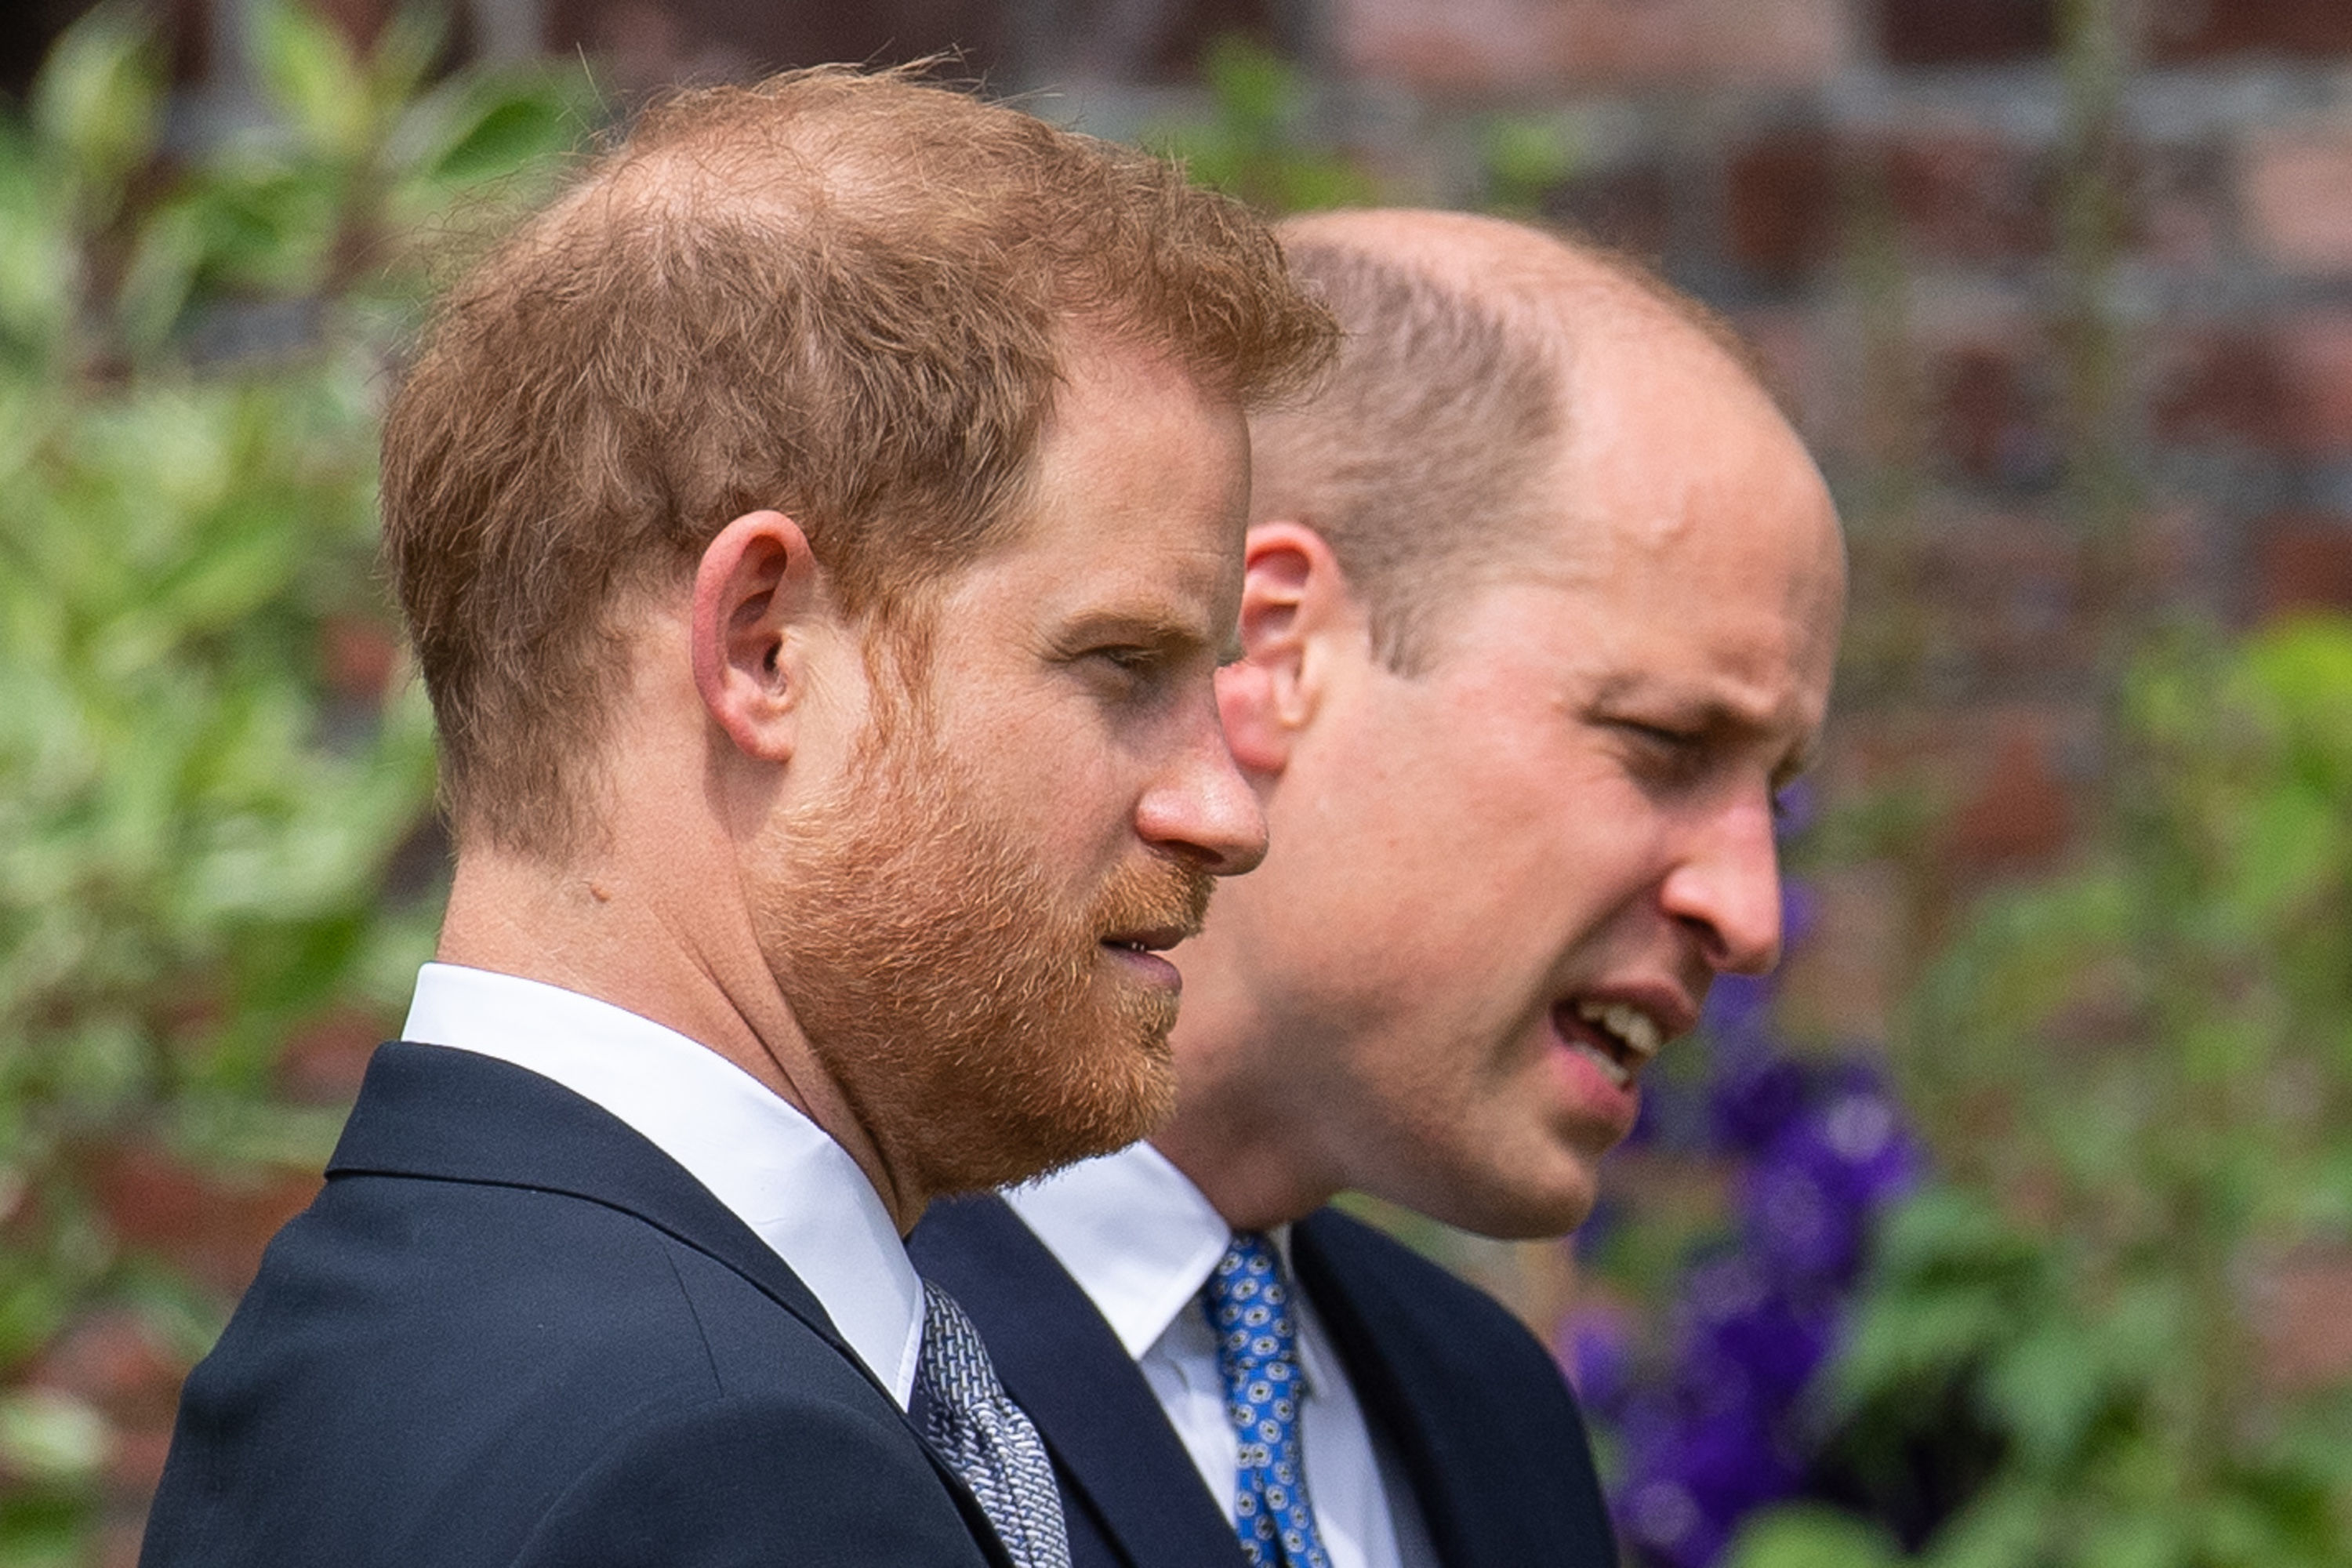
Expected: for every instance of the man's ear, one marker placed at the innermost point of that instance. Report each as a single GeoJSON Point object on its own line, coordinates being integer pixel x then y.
{"type": "Point", "coordinates": [756, 588]}
{"type": "Point", "coordinates": [1293, 603]}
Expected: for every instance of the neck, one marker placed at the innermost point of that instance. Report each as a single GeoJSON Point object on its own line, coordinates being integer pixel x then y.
{"type": "Point", "coordinates": [1243, 1132]}
{"type": "Point", "coordinates": [660, 936]}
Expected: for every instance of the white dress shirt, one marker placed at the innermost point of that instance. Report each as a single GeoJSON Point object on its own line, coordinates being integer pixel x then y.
{"type": "Point", "coordinates": [777, 1170]}
{"type": "Point", "coordinates": [1141, 1240]}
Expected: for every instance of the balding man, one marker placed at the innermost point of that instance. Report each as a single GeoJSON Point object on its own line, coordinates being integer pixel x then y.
{"type": "Point", "coordinates": [1541, 606]}
{"type": "Point", "coordinates": [819, 531]}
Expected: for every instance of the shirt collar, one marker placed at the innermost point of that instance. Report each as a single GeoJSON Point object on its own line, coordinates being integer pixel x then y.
{"type": "Point", "coordinates": [773, 1168]}
{"type": "Point", "coordinates": [1135, 1233]}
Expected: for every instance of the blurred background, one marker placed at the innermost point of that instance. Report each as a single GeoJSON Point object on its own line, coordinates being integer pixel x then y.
{"type": "Point", "coordinates": [2010, 1224]}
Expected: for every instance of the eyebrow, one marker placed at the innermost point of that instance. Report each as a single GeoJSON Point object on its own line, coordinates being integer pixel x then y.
{"type": "Point", "coordinates": [1156, 626]}
{"type": "Point", "coordinates": [1710, 715]}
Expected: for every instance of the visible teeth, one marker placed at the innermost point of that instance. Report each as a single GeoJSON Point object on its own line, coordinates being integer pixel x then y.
{"type": "Point", "coordinates": [1636, 1030]}
{"type": "Point", "coordinates": [1618, 1073]}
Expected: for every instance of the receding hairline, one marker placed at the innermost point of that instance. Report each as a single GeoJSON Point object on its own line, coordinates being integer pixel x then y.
{"type": "Point", "coordinates": [1564, 289]}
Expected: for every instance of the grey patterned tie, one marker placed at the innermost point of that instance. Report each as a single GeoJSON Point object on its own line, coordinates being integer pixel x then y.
{"type": "Point", "coordinates": [985, 1438]}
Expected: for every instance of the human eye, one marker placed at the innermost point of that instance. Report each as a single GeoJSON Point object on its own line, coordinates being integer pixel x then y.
{"type": "Point", "coordinates": [1128, 658]}
{"type": "Point", "coordinates": [1129, 671]}
{"type": "Point", "coordinates": [1663, 752]}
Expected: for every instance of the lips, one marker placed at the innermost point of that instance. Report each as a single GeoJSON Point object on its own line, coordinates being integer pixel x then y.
{"type": "Point", "coordinates": [1619, 1036]}
{"type": "Point", "coordinates": [1157, 939]}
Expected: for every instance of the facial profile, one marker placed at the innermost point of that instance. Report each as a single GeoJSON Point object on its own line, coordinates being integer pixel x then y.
{"type": "Point", "coordinates": [1501, 880]}
{"type": "Point", "coordinates": [932, 965]}
{"type": "Point", "coordinates": [968, 925]}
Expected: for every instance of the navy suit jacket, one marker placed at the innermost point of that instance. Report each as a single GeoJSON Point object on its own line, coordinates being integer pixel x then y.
{"type": "Point", "coordinates": [1485, 1428]}
{"type": "Point", "coordinates": [513, 1331]}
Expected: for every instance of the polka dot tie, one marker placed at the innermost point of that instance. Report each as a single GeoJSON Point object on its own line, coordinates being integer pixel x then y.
{"type": "Point", "coordinates": [986, 1438]}
{"type": "Point", "coordinates": [1257, 1350]}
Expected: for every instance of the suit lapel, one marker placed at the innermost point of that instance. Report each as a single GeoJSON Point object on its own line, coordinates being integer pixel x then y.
{"type": "Point", "coordinates": [452, 1115]}
{"type": "Point", "coordinates": [1401, 1392]}
{"type": "Point", "coordinates": [1060, 1361]}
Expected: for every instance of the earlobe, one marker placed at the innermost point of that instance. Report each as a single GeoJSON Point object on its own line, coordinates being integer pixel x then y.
{"type": "Point", "coordinates": [754, 587]}
{"type": "Point", "coordinates": [1292, 595]}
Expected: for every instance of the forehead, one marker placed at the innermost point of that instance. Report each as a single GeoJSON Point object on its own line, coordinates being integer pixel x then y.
{"type": "Point", "coordinates": [1136, 499]}
{"type": "Point", "coordinates": [1686, 528]}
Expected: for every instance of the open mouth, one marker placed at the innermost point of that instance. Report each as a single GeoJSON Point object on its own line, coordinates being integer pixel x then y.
{"type": "Point", "coordinates": [1618, 1036]}
{"type": "Point", "coordinates": [1159, 938]}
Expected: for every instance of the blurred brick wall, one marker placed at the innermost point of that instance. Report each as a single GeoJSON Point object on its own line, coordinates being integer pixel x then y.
{"type": "Point", "coordinates": [1871, 191]}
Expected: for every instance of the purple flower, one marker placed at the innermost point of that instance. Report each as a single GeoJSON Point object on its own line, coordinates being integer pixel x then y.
{"type": "Point", "coordinates": [1596, 1351]}
{"type": "Point", "coordinates": [1744, 1342]}
{"type": "Point", "coordinates": [1753, 1104]}
{"type": "Point", "coordinates": [1688, 1493]}
{"type": "Point", "coordinates": [1807, 1202]}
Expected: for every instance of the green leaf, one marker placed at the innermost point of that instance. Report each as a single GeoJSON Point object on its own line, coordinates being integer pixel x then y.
{"type": "Point", "coordinates": [52, 1436]}
{"type": "Point", "coordinates": [2046, 1390]}
{"type": "Point", "coordinates": [504, 134]}
{"type": "Point", "coordinates": [2005, 1526]}
{"type": "Point", "coordinates": [97, 103]}
{"type": "Point", "coordinates": [311, 78]}
{"type": "Point", "coordinates": [1811, 1537]}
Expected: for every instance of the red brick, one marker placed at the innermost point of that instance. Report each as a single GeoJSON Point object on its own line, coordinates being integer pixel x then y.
{"type": "Point", "coordinates": [650, 43]}
{"type": "Point", "coordinates": [2019, 813]}
{"type": "Point", "coordinates": [2299, 198]}
{"type": "Point", "coordinates": [1780, 204]}
{"type": "Point", "coordinates": [360, 656]}
{"type": "Point", "coordinates": [1629, 207]}
{"type": "Point", "coordinates": [212, 1227]}
{"type": "Point", "coordinates": [111, 1362]}
{"type": "Point", "coordinates": [1966, 32]}
{"type": "Point", "coordinates": [1968, 197]}
{"type": "Point", "coordinates": [325, 1059]}
{"type": "Point", "coordinates": [2202, 29]}
{"type": "Point", "coordinates": [2300, 1321]}
{"type": "Point", "coordinates": [1990, 416]}
{"type": "Point", "coordinates": [361, 21]}
{"type": "Point", "coordinates": [2187, 203]}
{"type": "Point", "coordinates": [2001, 596]}
{"type": "Point", "coordinates": [1480, 46]}
{"type": "Point", "coordinates": [2302, 561]}
{"type": "Point", "coordinates": [1844, 984]}
{"type": "Point", "coordinates": [1793, 364]}
{"type": "Point", "coordinates": [2284, 387]}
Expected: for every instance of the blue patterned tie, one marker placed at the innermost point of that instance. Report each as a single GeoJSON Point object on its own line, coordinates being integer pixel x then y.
{"type": "Point", "coordinates": [1257, 1351]}
{"type": "Point", "coordinates": [986, 1438]}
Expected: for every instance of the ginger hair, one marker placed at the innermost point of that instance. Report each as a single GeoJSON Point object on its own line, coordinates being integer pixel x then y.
{"type": "Point", "coordinates": [844, 295]}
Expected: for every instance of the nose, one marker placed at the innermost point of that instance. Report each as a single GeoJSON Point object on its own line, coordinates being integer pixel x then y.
{"type": "Point", "coordinates": [1726, 887]}
{"type": "Point", "coordinates": [1200, 806]}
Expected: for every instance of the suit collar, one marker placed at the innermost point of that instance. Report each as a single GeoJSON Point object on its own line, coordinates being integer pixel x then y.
{"type": "Point", "coordinates": [442, 1114]}
{"type": "Point", "coordinates": [454, 1115]}
{"type": "Point", "coordinates": [770, 1164]}
{"type": "Point", "coordinates": [1060, 1361]}
{"type": "Point", "coordinates": [1133, 1232]}
{"type": "Point", "coordinates": [1405, 1396]}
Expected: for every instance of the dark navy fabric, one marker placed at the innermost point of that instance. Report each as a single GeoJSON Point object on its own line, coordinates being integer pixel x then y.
{"type": "Point", "coordinates": [1477, 1413]}
{"type": "Point", "coordinates": [512, 1332]}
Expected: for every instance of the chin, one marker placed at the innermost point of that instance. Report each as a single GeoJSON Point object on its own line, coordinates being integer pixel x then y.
{"type": "Point", "coordinates": [1506, 1206]}
{"type": "Point", "coordinates": [1092, 1109]}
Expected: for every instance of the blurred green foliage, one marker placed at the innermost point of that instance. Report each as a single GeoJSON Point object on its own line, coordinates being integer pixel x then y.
{"type": "Point", "coordinates": [2138, 1073]}
{"type": "Point", "coordinates": [206, 764]}
{"type": "Point", "coordinates": [1259, 141]}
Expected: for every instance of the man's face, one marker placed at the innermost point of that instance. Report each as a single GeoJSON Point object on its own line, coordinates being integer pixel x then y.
{"type": "Point", "coordinates": [1496, 884]}
{"type": "Point", "coordinates": [968, 929]}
